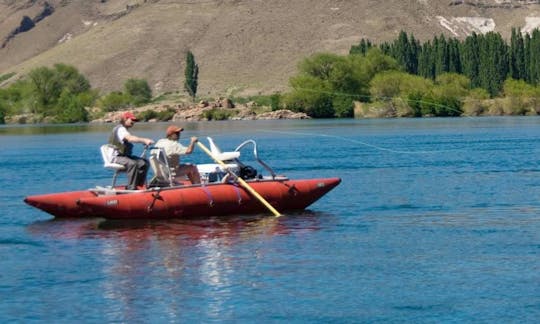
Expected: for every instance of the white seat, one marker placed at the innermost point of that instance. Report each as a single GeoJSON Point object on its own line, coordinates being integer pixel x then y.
{"type": "Point", "coordinates": [211, 171]}
{"type": "Point", "coordinates": [160, 167]}
{"type": "Point", "coordinates": [222, 156]}
{"type": "Point", "coordinates": [107, 151]}
{"type": "Point", "coordinates": [214, 167]}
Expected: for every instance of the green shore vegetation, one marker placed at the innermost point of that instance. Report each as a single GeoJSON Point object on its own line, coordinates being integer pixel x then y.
{"type": "Point", "coordinates": [480, 75]}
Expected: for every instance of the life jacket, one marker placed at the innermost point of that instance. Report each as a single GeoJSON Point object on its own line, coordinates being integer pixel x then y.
{"type": "Point", "coordinates": [124, 148]}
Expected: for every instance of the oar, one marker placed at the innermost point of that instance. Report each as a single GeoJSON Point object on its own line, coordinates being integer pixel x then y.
{"type": "Point", "coordinates": [242, 182]}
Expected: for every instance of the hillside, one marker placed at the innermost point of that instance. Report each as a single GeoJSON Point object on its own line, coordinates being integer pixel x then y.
{"type": "Point", "coordinates": [241, 46]}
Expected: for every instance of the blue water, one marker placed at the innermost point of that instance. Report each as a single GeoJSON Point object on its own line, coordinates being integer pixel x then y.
{"type": "Point", "coordinates": [436, 220]}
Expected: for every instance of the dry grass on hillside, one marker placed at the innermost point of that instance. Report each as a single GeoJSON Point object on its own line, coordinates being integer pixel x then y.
{"type": "Point", "coordinates": [241, 46]}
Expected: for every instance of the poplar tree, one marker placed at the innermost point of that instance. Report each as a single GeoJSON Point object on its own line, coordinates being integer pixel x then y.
{"type": "Point", "coordinates": [534, 59]}
{"type": "Point", "coordinates": [493, 62]}
{"type": "Point", "coordinates": [400, 50]}
{"type": "Point", "coordinates": [527, 49]}
{"type": "Point", "coordinates": [517, 56]}
{"type": "Point", "coordinates": [426, 62]}
{"type": "Point", "coordinates": [454, 61]}
{"type": "Point", "coordinates": [191, 75]}
{"type": "Point", "coordinates": [361, 48]}
{"type": "Point", "coordinates": [470, 50]}
{"type": "Point", "coordinates": [414, 52]}
{"type": "Point", "coordinates": [406, 51]}
{"type": "Point", "coordinates": [486, 59]}
{"type": "Point", "coordinates": [441, 55]}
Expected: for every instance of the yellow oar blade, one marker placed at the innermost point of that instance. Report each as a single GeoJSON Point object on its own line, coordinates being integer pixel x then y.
{"type": "Point", "coordinates": [241, 181]}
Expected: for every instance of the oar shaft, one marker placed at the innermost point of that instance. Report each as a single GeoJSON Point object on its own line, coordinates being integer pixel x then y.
{"type": "Point", "coordinates": [242, 182]}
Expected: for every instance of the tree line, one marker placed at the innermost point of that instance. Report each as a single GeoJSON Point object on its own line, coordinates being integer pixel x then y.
{"type": "Point", "coordinates": [486, 59]}
{"type": "Point", "coordinates": [61, 94]}
{"type": "Point", "coordinates": [481, 74]}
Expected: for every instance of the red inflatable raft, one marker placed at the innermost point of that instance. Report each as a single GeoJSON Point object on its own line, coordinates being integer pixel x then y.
{"type": "Point", "coordinates": [228, 188]}
{"type": "Point", "coordinates": [185, 201]}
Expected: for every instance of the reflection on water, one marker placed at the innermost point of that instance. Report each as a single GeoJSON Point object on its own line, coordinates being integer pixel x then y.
{"type": "Point", "coordinates": [448, 233]}
{"type": "Point", "coordinates": [228, 230]}
{"type": "Point", "coordinates": [49, 129]}
{"type": "Point", "coordinates": [139, 257]}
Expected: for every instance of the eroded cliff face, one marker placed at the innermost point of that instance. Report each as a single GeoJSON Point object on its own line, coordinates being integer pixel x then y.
{"type": "Point", "coordinates": [28, 23]}
{"type": "Point", "coordinates": [242, 46]}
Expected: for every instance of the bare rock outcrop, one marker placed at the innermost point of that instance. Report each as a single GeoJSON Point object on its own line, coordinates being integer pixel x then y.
{"type": "Point", "coordinates": [27, 23]}
{"type": "Point", "coordinates": [197, 112]}
{"type": "Point", "coordinates": [283, 114]}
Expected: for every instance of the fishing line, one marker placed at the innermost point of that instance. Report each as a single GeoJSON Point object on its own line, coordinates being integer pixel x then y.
{"type": "Point", "coordinates": [381, 98]}
{"type": "Point", "coordinates": [385, 99]}
{"type": "Point", "coordinates": [356, 142]}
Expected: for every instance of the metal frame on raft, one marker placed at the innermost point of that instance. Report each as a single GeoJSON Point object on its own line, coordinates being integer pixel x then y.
{"type": "Point", "coordinates": [256, 155]}
{"type": "Point", "coordinates": [158, 156]}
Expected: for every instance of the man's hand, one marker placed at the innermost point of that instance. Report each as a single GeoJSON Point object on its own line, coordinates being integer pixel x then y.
{"type": "Point", "coordinates": [148, 141]}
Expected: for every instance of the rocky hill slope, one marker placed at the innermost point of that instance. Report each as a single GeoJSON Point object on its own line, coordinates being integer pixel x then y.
{"type": "Point", "coordinates": [242, 46]}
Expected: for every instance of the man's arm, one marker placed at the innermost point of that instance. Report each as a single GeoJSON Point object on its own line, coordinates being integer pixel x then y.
{"type": "Point", "coordinates": [136, 139]}
{"type": "Point", "coordinates": [191, 145]}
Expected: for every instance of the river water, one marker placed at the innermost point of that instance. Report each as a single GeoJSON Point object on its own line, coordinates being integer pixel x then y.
{"type": "Point", "coordinates": [436, 220]}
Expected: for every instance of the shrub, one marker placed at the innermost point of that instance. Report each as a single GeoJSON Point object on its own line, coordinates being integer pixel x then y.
{"type": "Point", "coordinates": [45, 87]}
{"type": "Point", "coordinates": [165, 115]}
{"type": "Point", "coordinates": [147, 115]}
{"type": "Point", "coordinates": [377, 109]}
{"type": "Point", "coordinates": [114, 101]}
{"type": "Point", "coordinates": [6, 76]}
{"type": "Point", "coordinates": [343, 106]}
{"type": "Point", "coordinates": [520, 98]}
{"type": "Point", "coordinates": [139, 91]}
{"type": "Point", "coordinates": [71, 108]}
{"type": "Point", "coordinates": [456, 84]}
{"type": "Point", "coordinates": [70, 79]}
{"type": "Point", "coordinates": [217, 114]}
{"type": "Point", "coordinates": [495, 107]}
{"type": "Point", "coordinates": [312, 96]}
{"type": "Point", "coordinates": [2, 112]}
{"type": "Point", "coordinates": [475, 102]}
{"type": "Point", "coordinates": [414, 100]}
{"type": "Point", "coordinates": [17, 98]}
{"type": "Point", "coordinates": [275, 101]}
{"type": "Point", "coordinates": [440, 105]}
{"type": "Point", "coordinates": [391, 84]}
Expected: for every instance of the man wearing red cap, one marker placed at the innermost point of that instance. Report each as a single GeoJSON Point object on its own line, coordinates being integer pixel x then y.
{"type": "Point", "coordinates": [122, 140]}
{"type": "Point", "coordinates": [173, 150]}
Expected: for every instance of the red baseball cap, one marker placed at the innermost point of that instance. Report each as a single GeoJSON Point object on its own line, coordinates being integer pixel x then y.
{"type": "Point", "coordinates": [129, 115]}
{"type": "Point", "coordinates": [173, 129]}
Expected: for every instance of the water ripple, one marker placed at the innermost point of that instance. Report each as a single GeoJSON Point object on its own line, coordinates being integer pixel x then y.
{"type": "Point", "coordinates": [449, 236]}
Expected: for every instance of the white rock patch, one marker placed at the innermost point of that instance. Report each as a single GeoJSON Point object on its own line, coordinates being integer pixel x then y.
{"type": "Point", "coordinates": [480, 24]}
{"type": "Point", "coordinates": [447, 24]}
{"type": "Point", "coordinates": [65, 38]}
{"type": "Point", "coordinates": [531, 23]}
{"type": "Point", "coordinates": [466, 25]}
